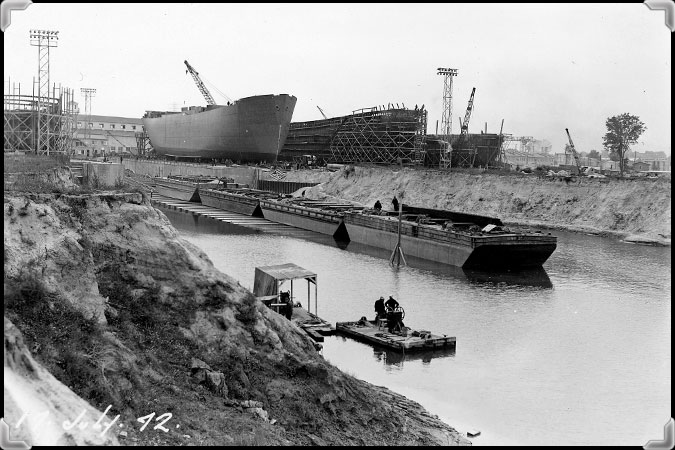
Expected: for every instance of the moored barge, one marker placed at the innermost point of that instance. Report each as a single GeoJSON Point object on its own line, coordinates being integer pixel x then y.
{"type": "Point", "coordinates": [314, 218]}
{"type": "Point", "coordinates": [463, 240]}
{"type": "Point", "coordinates": [181, 188]}
{"type": "Point", "coordinates": [242, 201]}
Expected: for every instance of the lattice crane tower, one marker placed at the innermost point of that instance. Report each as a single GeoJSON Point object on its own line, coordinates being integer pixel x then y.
{"type": "Point", "coordinates": [43, 40]}
{"type": "Point", "coordinates": [446, 120]}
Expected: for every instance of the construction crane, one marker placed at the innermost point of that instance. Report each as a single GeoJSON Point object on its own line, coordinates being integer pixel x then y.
{"type": "Point", "coordinates": [464, 125]}
{"type": "Point", "coordinates": [574, 152]}
{"type": "Point", "coordinates": [321, 111]}
{"type": "Point", "coordinates": [205, 92]}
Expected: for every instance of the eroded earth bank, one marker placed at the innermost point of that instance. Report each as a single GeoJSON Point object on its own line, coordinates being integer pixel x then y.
{"type": "Point", "coordinates": [106, 305]}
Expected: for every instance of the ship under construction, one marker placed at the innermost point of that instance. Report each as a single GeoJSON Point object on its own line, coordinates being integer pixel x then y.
{"type": "Point", "coordinates": [391, 135]}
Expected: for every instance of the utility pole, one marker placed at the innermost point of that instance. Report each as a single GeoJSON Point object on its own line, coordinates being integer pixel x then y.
{"type": "Point", "coordinates": [397, 255]}
{"type": "Point", "coordinates": [446, 118]}
{"type": "Point", "coordinates": [43, 40]}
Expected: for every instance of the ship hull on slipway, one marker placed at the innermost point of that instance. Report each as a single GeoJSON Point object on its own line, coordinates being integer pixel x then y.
{"type": "Point", "coordinates": [252, 129]}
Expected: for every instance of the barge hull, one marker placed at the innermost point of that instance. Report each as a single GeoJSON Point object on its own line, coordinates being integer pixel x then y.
{"type": "Point", "coordinates": [505, 255]}
{"type": "Point", "coordinates": [188, 192]}
{"type": "Point", "coordinates": [305, 218]}
{"type": "Point", "coordinates": [230, 202]}
{"type": "Point", "coordinates": [453, 255]}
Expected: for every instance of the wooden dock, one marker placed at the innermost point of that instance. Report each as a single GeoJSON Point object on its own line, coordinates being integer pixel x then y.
{"type": "Point", "coordinates": [411, 341]}
{"type": "Point", "coordinates": [312, 324]}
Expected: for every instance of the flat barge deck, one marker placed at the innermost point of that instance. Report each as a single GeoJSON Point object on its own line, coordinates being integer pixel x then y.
{"type": "Point", "coordinates": [413, 341]}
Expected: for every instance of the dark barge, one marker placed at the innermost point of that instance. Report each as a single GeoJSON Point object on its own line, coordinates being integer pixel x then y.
{"type": "Point", "coordinates": [458, 239]}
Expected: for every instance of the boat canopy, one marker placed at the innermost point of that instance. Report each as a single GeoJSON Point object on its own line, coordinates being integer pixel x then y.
{"type": "Point", "coordinates": [268, 279]}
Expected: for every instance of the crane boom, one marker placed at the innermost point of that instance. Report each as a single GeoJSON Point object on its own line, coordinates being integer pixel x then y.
{"type": "Point", "coordinates": [200, 85]}
{"type": "Point", "coordinates": [464, 125]}
{"type": "Point", "coordinates": [574, 152]}
{"type": "Point", "coordinates": [321, 111]}
{"type": "Point", "coordinates": [467, 116]}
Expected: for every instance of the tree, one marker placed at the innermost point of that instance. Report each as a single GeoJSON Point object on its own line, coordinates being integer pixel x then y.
{"type": "Point", "coordinates": [622, 131]}
{"type": "Point", "coordinates": [594, 154]}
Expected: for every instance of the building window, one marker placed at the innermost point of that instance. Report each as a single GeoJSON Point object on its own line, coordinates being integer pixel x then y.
{"type": "Point", "coordinates": [79, 124]}
{"type": "Point", "coordinates": [91, 125]}
{"type": "Point", "coordinates": [100, 125]}
{"type": "Point", "coordinates": [112, 126]}
{"type": "Point", "coordinates": [133, 127]}
{"type": "Point", "coordinates": [124, 127]}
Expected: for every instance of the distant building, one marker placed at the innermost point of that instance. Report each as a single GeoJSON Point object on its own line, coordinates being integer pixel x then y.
{"type": "Point", "coordinates": [522, 159]}
{"type": "Point", "coordinates": [655, 160]}
{"type": "Point", "coordinates": [640, 166]}
{"type": "Point", "coordinates": [106, 135]}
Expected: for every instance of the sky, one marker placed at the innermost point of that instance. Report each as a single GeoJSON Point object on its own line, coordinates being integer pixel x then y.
{"type": "Point", "coordinates": [540, 68]}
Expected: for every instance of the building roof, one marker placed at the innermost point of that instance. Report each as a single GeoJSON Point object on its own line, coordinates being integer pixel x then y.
{"type": "Point", "coordinates": [287, 271]}
{"type": "Point", "coordinates": [113, 119]}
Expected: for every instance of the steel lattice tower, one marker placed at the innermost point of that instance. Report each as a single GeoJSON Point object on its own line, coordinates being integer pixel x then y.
{"type": "Point", "coordinates": [446, 118]}
{"type": "Point", "coordinates": [43, 40]}
{"type": "Point", "coordinates": [88, 94]}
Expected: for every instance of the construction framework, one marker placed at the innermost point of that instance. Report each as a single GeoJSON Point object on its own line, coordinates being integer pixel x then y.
{"type": "Point", "coordinates": [476, 150]}
{"type": "Point", "coordinates": [372, 135]}
{"type": "Point", "coordinates": [143, 145]}
{"type": "Point", "coordinates": [376, 135]}
{"type": "Point", "coordinates": [37, 123]}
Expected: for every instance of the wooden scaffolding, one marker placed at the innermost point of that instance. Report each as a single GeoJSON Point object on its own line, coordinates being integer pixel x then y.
{"type": "Point", "coordinates": [39, 125]}
{"type": "Point", "coordinates": [381, 136]}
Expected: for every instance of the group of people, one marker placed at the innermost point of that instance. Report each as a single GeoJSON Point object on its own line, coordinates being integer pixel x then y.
{"type": "Point", "coordinates": [389, 310]}
{"type": "Point", "coordinates": [378, 206]}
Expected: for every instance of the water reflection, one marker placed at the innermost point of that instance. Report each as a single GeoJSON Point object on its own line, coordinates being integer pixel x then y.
{"type": "Point", "coordinates": [536, 277]}
{"type": "Point", "coordinates": [390, 357]}
{"type": "Point", "coordinates": [202, 224]}
{"type": "Point", "coordinates": [393, 358]}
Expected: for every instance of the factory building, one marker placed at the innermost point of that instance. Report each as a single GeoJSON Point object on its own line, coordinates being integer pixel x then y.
{"type": "Point", "coordinates": [106, 135]}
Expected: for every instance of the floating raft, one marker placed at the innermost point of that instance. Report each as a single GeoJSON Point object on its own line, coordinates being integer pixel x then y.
{"type": "Point", "coordinates": [312, 324]}
{"type": "Point", "coordinates": [369, 332]}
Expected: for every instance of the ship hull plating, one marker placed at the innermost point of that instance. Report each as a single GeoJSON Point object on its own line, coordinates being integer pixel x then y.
{"type": "Point", "coordinates": [252, 129]}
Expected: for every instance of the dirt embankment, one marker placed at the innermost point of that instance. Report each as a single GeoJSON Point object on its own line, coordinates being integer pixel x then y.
{"type": "Point", "coordinates": [637, 210]}
{"type": "Point", "coordinates": [124, 313]}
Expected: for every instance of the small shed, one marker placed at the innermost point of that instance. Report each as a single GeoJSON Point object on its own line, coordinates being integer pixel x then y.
{"type": "Point", "coordinates": [641, 166]}
{"type": "Point", "coordinates": [269, 279]}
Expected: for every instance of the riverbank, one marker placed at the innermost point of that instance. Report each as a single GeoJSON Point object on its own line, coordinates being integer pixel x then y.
{"type": "Point", "coordinates": [123, 312]}
{"type": "Point", "coordinates": [635, 210]}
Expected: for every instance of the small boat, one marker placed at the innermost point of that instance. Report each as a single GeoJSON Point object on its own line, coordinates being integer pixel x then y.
{"type": "Point", "coordinates": [399, 338]}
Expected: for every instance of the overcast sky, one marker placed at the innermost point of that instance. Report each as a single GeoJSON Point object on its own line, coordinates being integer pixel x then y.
{"type": "Point", "coordinates": [542, 68]}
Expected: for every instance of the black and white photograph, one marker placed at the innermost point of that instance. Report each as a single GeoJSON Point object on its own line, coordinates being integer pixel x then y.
{"type": "Point", "coordinates": [337, 224]}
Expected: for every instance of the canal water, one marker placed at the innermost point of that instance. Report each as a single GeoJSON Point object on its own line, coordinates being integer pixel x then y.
{"type": "Point", "coordinates": [578, 353]}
